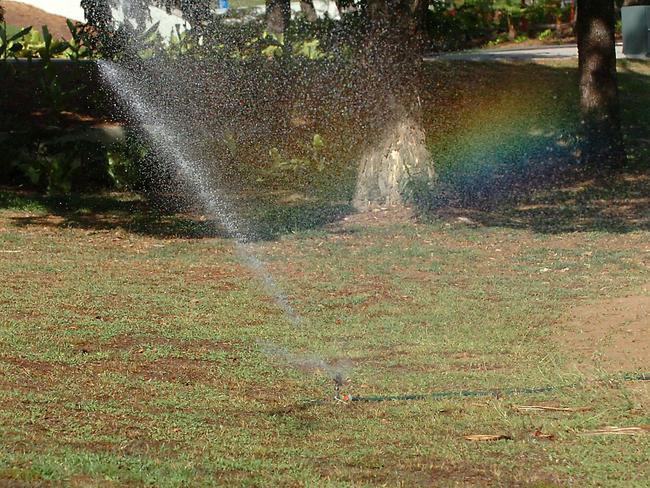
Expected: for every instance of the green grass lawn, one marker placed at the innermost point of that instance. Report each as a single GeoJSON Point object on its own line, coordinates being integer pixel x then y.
{"type": "Point", "coordinates": [132, 343]}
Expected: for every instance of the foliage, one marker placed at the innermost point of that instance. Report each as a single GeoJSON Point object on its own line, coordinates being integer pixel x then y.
{"type": "Point", "coordinates": [78, 46]}
{"type": "Point", "coordinates": [457, 27]}
{"type": "Point", "coordinates": [11, 44]}
{"type": "Point", "coordinates": [128, 163]}
{"type": "Point", "coordinates": [98, 12]}
{"type": "Point", "coordinates": [481, 21]}
{"type": "Point", "coordinates": [300, 166]}
{"type": "Point", "coordinates": [423, 192]}
{"type": "Point", "coordinates": [235, 34]}
{"type": "Point", "coordinates": [544, 35]}
{"type": "Point", "coordinates": [57, 167]}
{"type": "Point", "coordinates": [43, 161]}
{"type": "Point", "coordinates": [32, 44]}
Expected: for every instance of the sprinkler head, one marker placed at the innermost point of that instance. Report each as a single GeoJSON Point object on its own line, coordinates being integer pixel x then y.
{"type": "Point", "coordinates": [339, 382]}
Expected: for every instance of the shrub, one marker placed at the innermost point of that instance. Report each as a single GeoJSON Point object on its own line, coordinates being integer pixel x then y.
{"type": "Point", "coordinates": [56, 167]}
{"type": "Point", "coordinates": [459, 27]}
{"type": "Point", "coordinates": [545, 35]}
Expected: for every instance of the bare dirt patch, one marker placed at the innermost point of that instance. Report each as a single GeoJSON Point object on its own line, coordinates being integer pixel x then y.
{"type": "Point", "coordinates": [378, 216]}
{"type": "Point", "coordinates": [611, 335]}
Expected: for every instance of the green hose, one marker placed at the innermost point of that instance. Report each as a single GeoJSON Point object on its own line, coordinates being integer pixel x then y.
{"type": "Point", "coordinates": [454, 394]}
{"type": "Point", "coordinates": [480, 393]}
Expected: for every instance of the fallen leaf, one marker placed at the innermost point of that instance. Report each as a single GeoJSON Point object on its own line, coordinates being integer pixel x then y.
{"type": "Point", "coordinates": [488, 437]}
{"type": "Point", "coordinates": [612, 430]}
{"type": "Point", "coordinates": [548, 408]}
{"type": "Point", "coordinates": [465, 220]}
{"type": "Point", "coordinates": [538, 434]}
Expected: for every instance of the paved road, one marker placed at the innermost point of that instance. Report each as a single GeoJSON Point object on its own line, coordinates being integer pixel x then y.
{"type": "Point", "coordinates": [566, 51]}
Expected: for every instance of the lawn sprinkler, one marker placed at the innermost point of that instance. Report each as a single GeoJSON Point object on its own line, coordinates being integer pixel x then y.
{"type": "Point", "coordinates": [339, 383]}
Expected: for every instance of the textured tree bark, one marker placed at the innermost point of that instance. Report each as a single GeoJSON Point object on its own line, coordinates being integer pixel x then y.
{"type": "Point", "coordinates": [396, 149]}
{"type": "Point", "coordinates": [603, 141]}
{"type": "Point", "coordinates": [278, 16]}
{"type": "Point", "coordinates": [197, 12]}
{"type": "Point", "coordinates": [344, 6]}
{"type": "Point", "coordinates": [419, 8]}
{"type": "Point", "coordinates": [399, 155]}
{"type": "Point", "coordinates": [308, 10]}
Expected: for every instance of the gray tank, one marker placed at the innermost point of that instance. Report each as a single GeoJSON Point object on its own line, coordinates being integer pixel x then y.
{"type": "Point", "coordinates": [636, 31]}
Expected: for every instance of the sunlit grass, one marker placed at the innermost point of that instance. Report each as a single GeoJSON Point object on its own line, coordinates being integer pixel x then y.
{"type": "Point", "coordinates": [130, 337]}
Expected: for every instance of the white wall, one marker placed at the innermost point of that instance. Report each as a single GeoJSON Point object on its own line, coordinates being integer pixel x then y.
{"type": "Point", "coordinates": [167, 22]}
{"type": "Point", "coordinates": [322, 7]}
{"type": "Point", "coordinates": [71, 9]}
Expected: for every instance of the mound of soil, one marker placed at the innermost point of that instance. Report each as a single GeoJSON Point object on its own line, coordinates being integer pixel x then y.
{"type": "Point", "coordinates": [22, 15]}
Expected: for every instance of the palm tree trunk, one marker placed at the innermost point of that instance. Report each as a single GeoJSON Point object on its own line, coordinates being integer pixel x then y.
{"type": "Point", "coordinates": [308, 10]}
{"type": "Point", "coordinates": [396, 148]}
{"type": "Point", "coordinates": [278, 16]}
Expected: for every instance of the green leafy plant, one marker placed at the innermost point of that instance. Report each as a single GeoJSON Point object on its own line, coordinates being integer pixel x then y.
{"type": "Point", "coordinates": [125, 161]}
{"type": "Point", "coordinates": [316, 161]}
{"type": "Point", "coordinates": [422, 192]}
{"type": "Point", "coordinates": [181, 43]}
{"type": "Point", "coordinates": [52, 89]}
{"type": "Point", "coordinates": [77, 48]}
{"type": "Point", "coordinates": [51, 47]}
{"type": "Point", "coordinates": [49, 168]}
{"type": "Point", "coordinates": [11, 45]}
{"type": "Point", "coordinates": [501, 38]}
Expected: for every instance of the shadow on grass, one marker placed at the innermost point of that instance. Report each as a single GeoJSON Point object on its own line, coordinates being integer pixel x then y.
{"type": "Point", "coordinates": [261, 219]}
{"type": "Point", "coordinates": [619, 204]}
{"type": "Point", "coordinates": [511, 158]}
{"type": "Point", "coordinates": [509, 147]}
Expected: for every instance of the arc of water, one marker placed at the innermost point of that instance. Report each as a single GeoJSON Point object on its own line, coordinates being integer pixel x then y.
{"type": "Point", "coordinates": [214, 202]}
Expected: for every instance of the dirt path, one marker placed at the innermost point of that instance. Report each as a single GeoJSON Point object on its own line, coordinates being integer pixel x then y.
{"type": "Point", "coordinates": [611, 335]}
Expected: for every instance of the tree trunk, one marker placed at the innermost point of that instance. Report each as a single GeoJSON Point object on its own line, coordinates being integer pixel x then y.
{"type": "Point", "coordinates": [197, 12]}
{"type": "Point", "coordinates": [308, 10]}
{"type": "Point", "coordinates": [603, 142]}
{"type": "Point", "coordinates": [420, 8]}
{"type": "Point", "coordinates": [278, 16]}
{"type": "Point", "coordinates": [383, 171]}
{"type": "Point", "coordinates": [347, 6]}
{"type": "Point", "coordinates": [396, 149]}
